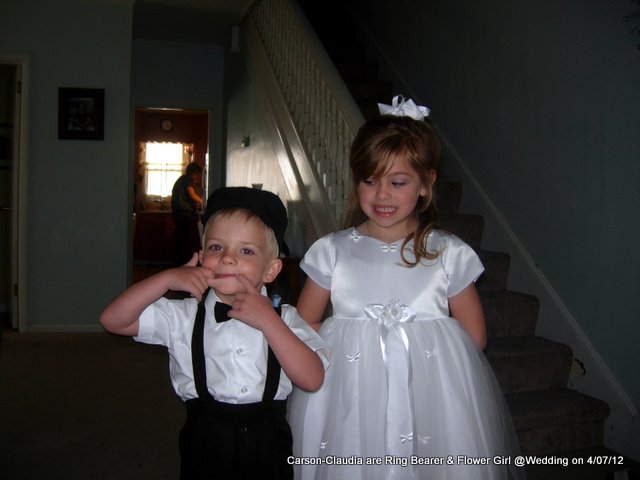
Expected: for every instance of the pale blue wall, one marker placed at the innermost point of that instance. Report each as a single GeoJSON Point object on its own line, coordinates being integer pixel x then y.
{"type": "Point", "coordinates": [177, 74]}
{"type": "Point", "coordinates": [184, 75]}
{"type": "Point", "coordinates": [542, 101]}
{"type": "Point", "coordinates": [78, 190]}
{"type": "Point", "coordinates": [258, 161]}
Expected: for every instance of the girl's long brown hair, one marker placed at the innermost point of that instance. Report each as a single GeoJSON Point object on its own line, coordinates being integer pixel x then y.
{"type": "Point", "coordinates": [378, 142]}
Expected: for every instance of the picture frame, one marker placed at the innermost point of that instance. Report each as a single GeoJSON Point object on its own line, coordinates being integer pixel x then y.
{"type": "Point", "coordinates": [81, 113]}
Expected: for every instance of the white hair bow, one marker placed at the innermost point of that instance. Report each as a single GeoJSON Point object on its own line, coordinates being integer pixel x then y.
{"type": "Point", "coordinates": [404, 108]}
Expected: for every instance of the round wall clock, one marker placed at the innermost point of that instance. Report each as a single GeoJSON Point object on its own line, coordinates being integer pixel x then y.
{"type": "Point", "coordinates": [166, 125]}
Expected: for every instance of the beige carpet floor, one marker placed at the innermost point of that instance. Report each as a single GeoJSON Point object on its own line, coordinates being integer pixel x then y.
{"type": "Point", "coordinates": [86, 406]}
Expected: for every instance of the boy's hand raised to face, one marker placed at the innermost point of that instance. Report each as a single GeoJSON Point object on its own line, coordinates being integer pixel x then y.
{"type": "Point", "coordinates": [190, 278]}
{"type": "Point", "coordinates": [251, 307]}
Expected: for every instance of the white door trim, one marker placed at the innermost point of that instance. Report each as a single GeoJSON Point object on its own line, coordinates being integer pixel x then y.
{"type": "Point", "coordinates": [19, 192]}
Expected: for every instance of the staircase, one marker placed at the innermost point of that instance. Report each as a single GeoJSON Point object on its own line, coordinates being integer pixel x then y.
{"type": "Point", "coordinates": [532, 371]}
{"type": "Point", "coordinates": [348, 53]}
{"type": "Point", "coordinates": [551, 420]}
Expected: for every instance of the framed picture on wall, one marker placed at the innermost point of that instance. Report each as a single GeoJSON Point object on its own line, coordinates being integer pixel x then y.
{"type": "Point", "coordinates": [81, 113]}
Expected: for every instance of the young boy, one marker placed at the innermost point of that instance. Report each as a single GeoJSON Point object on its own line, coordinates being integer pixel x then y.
{"type": "Point", "coordinates": [228, 372]}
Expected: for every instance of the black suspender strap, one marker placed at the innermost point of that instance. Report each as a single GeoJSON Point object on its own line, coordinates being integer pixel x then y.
{"type": "Point", "coordinates": [273, 372]}
{"type": "Point", "coordinates": [199, 367]}
{"type": "Point", "coordinates": [273, 377]}
{"type": "Point", "coordinates": [197, 351]}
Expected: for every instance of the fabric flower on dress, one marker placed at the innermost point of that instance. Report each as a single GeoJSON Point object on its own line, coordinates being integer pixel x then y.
{"type": "Point", "coordinates": [390, 314]}
{"type": "Point", "coordinates": [391, 317]}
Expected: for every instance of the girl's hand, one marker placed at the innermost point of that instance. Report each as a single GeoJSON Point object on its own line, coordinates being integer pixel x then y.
{"type": "Point", "coordinates": [251, 307]}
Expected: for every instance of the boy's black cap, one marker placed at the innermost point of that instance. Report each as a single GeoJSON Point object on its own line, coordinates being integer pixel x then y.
{"type": "Point", "coordinates": [266, 205]}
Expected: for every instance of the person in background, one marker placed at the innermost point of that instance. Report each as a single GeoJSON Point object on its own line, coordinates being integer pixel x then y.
{"type": "Point", "coordinates": [186, 202]}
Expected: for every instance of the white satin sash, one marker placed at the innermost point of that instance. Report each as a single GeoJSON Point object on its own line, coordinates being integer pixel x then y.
{"type": "Point", "coordinates": [394, 345]}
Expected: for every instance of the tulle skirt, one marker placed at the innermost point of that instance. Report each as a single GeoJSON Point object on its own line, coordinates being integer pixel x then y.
{"type": "Point", "coordinates": [410, 401]}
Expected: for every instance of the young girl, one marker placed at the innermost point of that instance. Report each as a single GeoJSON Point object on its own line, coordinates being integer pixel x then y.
{"type": "Point", "coordinates": [409, 393]}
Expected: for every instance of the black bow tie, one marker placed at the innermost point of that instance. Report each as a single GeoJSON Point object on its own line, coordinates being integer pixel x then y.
{"type": "Point", "coordinates": [221, 312]}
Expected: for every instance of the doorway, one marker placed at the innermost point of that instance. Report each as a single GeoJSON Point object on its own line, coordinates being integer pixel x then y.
{"type": "Point", "coordinates": [154, 237]}
{"type": "Point", "coordinates": [13, 94]}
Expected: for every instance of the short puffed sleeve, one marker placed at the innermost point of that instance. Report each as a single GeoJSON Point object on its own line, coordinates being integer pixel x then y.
{"type": "Point", "coordinates": [461, 264]}
{"type": "Point", "coordinates": [319, 261]}
{"type": "Point", "coordinates": [160, 321]}
{"type": "Point", "coordinates": [304, 332]}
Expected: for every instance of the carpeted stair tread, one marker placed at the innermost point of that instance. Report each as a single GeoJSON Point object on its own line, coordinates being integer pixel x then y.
{"type": "Point", "coordinates": [548, 407]}
{"type": "Point", "coordinates": [496, 270]}
{"type": "Point", "coordinates": [548, 421]}
{"type": "Point", "coordinates": [529, 363]}
{"type": "Point", "coordinates": [468, 227]}
{"type": "Point", "coordinates": [509, 314]}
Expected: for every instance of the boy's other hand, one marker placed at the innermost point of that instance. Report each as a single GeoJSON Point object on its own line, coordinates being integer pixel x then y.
{"type": "Point", "coordinates": [250, 306]}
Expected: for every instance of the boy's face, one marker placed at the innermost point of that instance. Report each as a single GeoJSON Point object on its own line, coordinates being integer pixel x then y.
{"type": "Point", "coordinates": [236, 245]}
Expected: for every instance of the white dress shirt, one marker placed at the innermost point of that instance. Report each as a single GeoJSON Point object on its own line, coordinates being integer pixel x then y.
{"type": "Point", "coordinates": [235, 353]}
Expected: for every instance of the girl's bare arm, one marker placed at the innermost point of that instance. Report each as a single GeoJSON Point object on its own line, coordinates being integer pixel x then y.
{"type": "Point", "coordinates": [312, 303]}
{"type": "Point", "coordinates": [467, 310]}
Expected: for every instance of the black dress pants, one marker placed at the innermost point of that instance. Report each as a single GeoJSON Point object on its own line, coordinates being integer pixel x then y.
{"type": "Point", "coordinates": [239, 442]}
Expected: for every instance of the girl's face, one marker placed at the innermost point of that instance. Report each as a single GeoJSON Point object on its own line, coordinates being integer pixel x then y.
{"type": "Point", "coordinates": [235, 245]}
{"type": "Point", "coordinates": [389, 200]}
